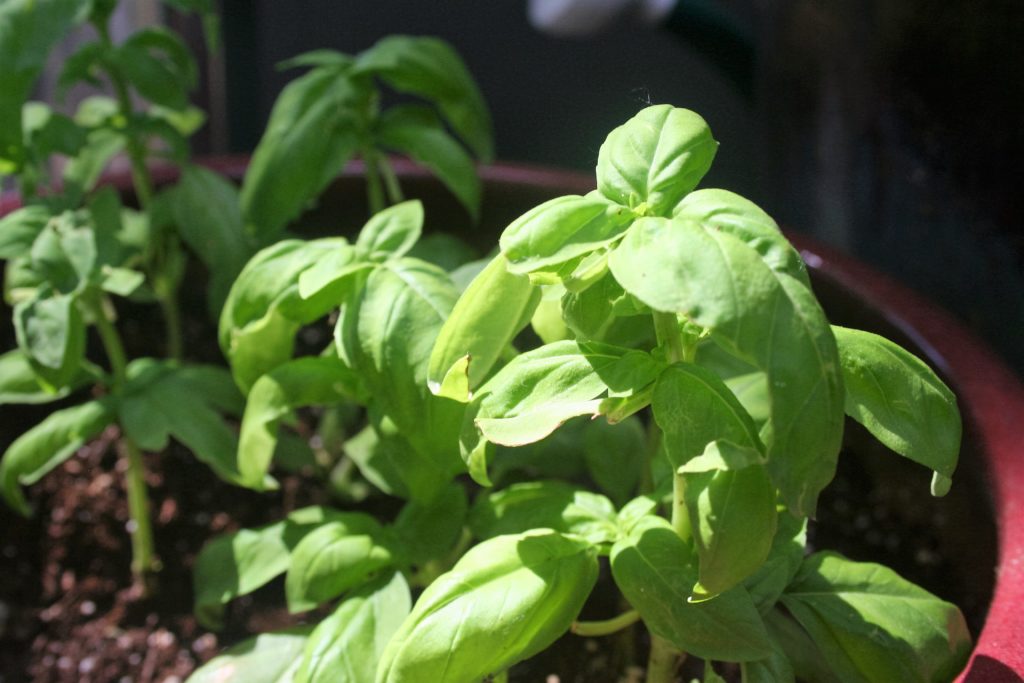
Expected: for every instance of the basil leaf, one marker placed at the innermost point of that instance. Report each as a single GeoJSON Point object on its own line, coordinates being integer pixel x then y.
{"type": "Point", "coordinates": [426, 531]}
{"type": "Point", "coordinates": [302, 382]}
{"type": "Point", "coordinates": [604, 312]}
{"type": "Point", "coordinates": [615, 455]}
{"type": "Point", "coordinates": [773, 669]}
{"type": "Point", "coordinates": [51, 333]}
{"type": "Point", "coordinates": [507, 599]}
{"type": "Point", "coordinates": [264, 309]}
{"type": "Point", "coordinates": [871, 624]}
{"type": "Point", "coordinates": [322, 57]}
{"type": "Point", "coordinates": [655, 158]}
{"type": "Point", "coordinates": [343, 553]}
{"type": "Point", "coordinates": [48, 444]}
{"type": "Point", "coordinates": [729, 212]}
{"type": "Point", "coordinates": [238, 563]}
{"type": "Point", "coordinates": [346, 646]}
{"type": "Point", "coordinates": [544, 505]}
{"type": "Point", "coordinates": [901, 401]}
{"type": "Point", "coordinates": [393, 231]}
{"type": "Point", "coordinates": [430, 68]}
{"type": "Point", "coordinates": [783, 561]}
{"type": "Point", "coordinates": [158, 65]}
{"type": "Point", "coordinates": [270, 657]}
{"type": "Point", "coordinates": [206, 214]}
{"type": "Point", "coordinates": [418, 133]}
{"type": "Point", "coordinates": [767, 319]}
{"type": "Point", "coordinates": [20, 228]}
{"type": "Point", "coordinates": [310, 136]}
{"type": "Point", "coordinates": [654, 569]}
{"type": "Point", "coordinates": [20, 384]}
{"type": "Point", "coordinates": [562, 229]}
{"type": "Point", "coordinates": [731, 504]}
{"type": "Point", "coordinates": [492, 310]}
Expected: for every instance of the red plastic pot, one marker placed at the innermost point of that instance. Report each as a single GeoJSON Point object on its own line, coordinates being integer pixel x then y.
{"type": "Point", "coordinates": [990, 394]}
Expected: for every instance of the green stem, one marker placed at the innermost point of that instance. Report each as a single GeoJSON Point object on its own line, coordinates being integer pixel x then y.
{"type": "Point", "coordinates": [143, 555]}
{"type": "Point", "coordinates": [172, 321]}
{"type": "Point", "coordinates": [374, 190]}
{"type": "Point", "coordinates": [391, 181]}
{"type": "Point", "coordinates": [680, 515]}
{"type": "Point", "coordinates": [666, 327]}
{"type": "Point", "coordinates": [664, 661]}
{"type": "Point", "coordinates": [607, 626]}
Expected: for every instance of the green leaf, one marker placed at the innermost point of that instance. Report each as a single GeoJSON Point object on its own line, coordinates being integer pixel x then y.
{"type": "Point", "coordinates": [767, 319]}
{"type": "Point", "coordinates": [783, 561]}
{"type": "Point", "coordinates": [264, 309]}
{"type": "Point", "coordinates": [900, 400]}
{"type": "Point", "coordinates": [430, 68]}
{"type": "Point", "coordinates": [270, 657]}
{"type": "Point", "coordinates": [562, 229]}
{"type": "Point", "coordinates": [774, 669]}
{"type": "Point", "coordinates": [51, 333]}
{"type": "Point", "coordinates": [308, 381]}
{"type": "Point", "coordinates": [604, 312]}
{"type": "Point", "coordinates": [82, 66]}
{"type": "Point", "coordinates": [343, 553]}
{"type": "Point", "coordinates": [655, 159]}
{"type": "Point", "coordinates": [731, 504]}
{"type": "Point", "coordinates": [83, 171]}
{"type": "Point", "coordinates": [20, 384]}
{"type": "Point", "coordinates": [48, 444]}
{"type": "Point", "coordinates": [426, 531]}
{"type": "Point", "coordinates": [206, 214]}
{"type": "Point", "coordinates": [28, 30]}
{"type": "Point", "coordinates": [655, 570]}
{"type": "Point", "coordinates": [418, 133]}
{"type": "Point", "coordinates": [537, 391]}
{"type": "Point", "coordinates": [158, 65]}
{"type": "Point", "coordinates": [393, 231]}
{"type": "Point", "coordinates": [616, 455]}
{"type": "Point", "coordinates": [311, 134]}
{"type": "Point", "coordinates": [65, 253]}
{"type": "Point", "coordinates": [729, 212]}
{"type": "Point", "coordinates": [544, 505]}
{"type": "Point", "coordinates": [346, 646]}
{"type": "Point", "coordinates": [323, 57]}
{"type": "Point", "coordinates": [238, 563]}
{"type": "Point", "coordinates": [20, 228]}
{"type": "Point", "coordinates": [493, 309]}
{"type": "Point", "coordinates": [507, 599]}
{"type": "Point", "coordinates": [163, 400]}
{"type": "Point", "coordinates": [48, 132]}
{"type": "Point", "coordinates": [873, 625]}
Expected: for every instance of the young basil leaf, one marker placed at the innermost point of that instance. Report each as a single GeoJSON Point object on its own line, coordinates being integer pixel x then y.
{"type": "Point", "coordinates": [346, 646]}
{"type": "Point", "coordinates": [20, 384]}
{"type": "Point", "coordinates": [783, 561]}
{"type": "Point", "coordinates": [311, 134]}
{"type": "Point", "coordinates": [322, 57]}
{"type": "Point", "coordinates": [655, 570]}
{"type": "Point", "coordinates": [764, 317]}
{"type": "Point", "coordinates": [48, 132]}
{"type": "Point", "coordinates": [205, 209]}
{"type": "Point", "coordinates": [28, 30]}
{"type": "Point", "coordinates": [162, 400]}
{"type": "Point", "coordinates": [239, 562]}
{"type": "Point", "coordinates": [655, 158]}
{"type": "Point", "coordinates": [391, 233]}
{"type": "Point", "coordinates": [544, 505]}
{"type": "Point", "coordinates": [264, 309]}
{"type": "Point", "coordinates": [343, 553]}
{"type": "Point", "coordinates": [901, 401]}
{"type": "Point", "coordinates": [301, 382]}
{"type": "Point", "coordinates": [505, 600]}
{"type": "Point", "coordinates": [731, 504]}
{"type": "Point", "coordinates": [51, 333]}
{"type": "Point", "coordinates": [537, 391]}
{"type": "Point", "coordinates": [48, 444]}
{"type": "Point", "coordinates": [871, 624]}
{"type": "Point", "coordinates": [20, 228]}
{"type": "Point", "coordinates": [272, 657]}
{"type": "Point", "coordinates": [492, 310]}
{"type": "Point", "coordinates": [729, 212]}
{"type": "Point", "coordinates": [83, 171]}
{"type": "Point", "coordinates": [65, 253]}
{"type": "Point", "coordinates": [418, 133]}
{"type": "Point", "coordinates": [615, 455]}
{"type": "Point", "coordinates": [152, 73]}
{"type": "Point", "coordinates": [430, 68]}
{"type": "Point", "coordinates": [425, 531]}
{"type": "Point", "coordinates": [597, 314]}
{"type": "Point", "coordinates": [562, 229]}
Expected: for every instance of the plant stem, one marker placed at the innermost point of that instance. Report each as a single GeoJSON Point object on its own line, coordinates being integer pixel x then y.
{"type": "Point", "coordinates": [606, 627]}
{"type": "Point", "coordinates": [374, 190]}
{"type": "Point", "coordinates": [391, 181]}
{"type": "Point", "coordinates": [680, 515]}
{"type": "Point", "coordinates": [172, 320]}
{"type": "Point", "coordinates": [664, 661]}
{"type": "Point", "coordinates": [666, 327]}
{"type": "Point", "coordinates": [143, 555]}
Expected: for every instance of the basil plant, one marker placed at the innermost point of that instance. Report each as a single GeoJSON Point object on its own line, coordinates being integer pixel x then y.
{"type": "Point", "coordinates": [640, 379]}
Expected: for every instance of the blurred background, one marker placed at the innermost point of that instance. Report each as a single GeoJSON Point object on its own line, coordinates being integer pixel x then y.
{"type": "Point", "coordinates": [893, 130]}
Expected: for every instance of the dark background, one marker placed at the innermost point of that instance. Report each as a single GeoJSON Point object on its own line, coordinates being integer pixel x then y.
{"type": "Point", "coordinates": [890, 129]}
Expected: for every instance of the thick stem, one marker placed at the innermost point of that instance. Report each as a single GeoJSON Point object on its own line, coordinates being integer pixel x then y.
{"type": "Point", "coordinates": [680, 515]}
{"type": "Point", "coordinates": [395, 195]}
{"type": "Point", "coordinates": [374, 190]}
{"type": "Point", "coordinates": [666, 327]}
{"type": "Point", "coordinates": [664, 661]}
{"type": "Point", "coordinates": [606, 627]}
{"type": "Point", "coordinates": [143, 554]}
